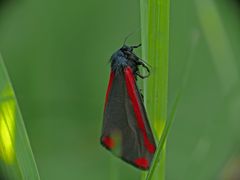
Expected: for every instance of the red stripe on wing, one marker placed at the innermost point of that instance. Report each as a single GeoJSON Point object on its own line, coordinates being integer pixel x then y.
{"type": "Point", "coordinates": [130, 83]}
{"type": "Point", "coordinates": [109, 88]}
{"type": "Point", "coordinates": [108, 142]}
{"type": "Point", "coordinates": [142, 163]}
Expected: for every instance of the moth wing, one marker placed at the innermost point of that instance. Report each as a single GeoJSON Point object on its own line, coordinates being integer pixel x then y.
{"type": "Point", "coordinates": [126, 131]}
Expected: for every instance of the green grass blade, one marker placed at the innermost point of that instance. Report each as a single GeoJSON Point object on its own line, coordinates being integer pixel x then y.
{"type": "Point", "coordinates": [144, 27]}
{"type": "Point", "coordinates": [161, 144]}
{"type": "Point", "coordinates": [158, 48]}
{"type": "Point", "coordinates": [16, 157]}
{"type": "Point", "coordinates": [155, 39]}
{"type": "Point", "coordinates": [185, 77]}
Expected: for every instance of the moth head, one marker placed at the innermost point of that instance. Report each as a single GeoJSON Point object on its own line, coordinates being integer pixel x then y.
{"type": "Point", "coordinates": [126, 49]}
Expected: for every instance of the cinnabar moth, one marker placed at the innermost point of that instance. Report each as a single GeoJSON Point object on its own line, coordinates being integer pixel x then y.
{"type": "Point", "coordinates": [126, 131]}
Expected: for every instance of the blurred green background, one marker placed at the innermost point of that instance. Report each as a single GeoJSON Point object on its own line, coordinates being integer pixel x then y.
{"type": "Point", "coordinates": [57, 53]}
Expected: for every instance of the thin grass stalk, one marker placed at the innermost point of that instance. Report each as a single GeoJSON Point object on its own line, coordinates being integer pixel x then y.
{"type": "Point", "coordinates": [162, 141]}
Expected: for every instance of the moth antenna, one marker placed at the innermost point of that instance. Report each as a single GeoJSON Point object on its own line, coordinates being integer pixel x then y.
{"type": "Point", "coordinates": [130, 34]}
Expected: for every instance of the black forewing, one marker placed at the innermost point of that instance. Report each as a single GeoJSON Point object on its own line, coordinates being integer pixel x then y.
{"type": "Point", "coordinates": [120, 124]}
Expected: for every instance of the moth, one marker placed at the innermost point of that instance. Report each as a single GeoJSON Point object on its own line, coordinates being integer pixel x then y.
{"type": "Point", "coordinates": [126, 131]}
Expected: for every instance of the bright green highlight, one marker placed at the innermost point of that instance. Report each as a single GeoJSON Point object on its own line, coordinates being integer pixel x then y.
{"type": "Point", "coordinates": [16, 158]}
{"type": "Point", "coordinates": [7, 127]}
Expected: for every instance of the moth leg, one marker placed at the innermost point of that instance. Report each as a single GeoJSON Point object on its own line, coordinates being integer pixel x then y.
{"type": "Point", "coordinates": [141, 94]}
{"type": "Point", "coordinates": [141, 76]}
{"type": "Point", "coordinates": [146, 67]}
{"type": "Point", "coordinates": [137, 46]}
{"type": "Point", "coordinates": [139, 62]}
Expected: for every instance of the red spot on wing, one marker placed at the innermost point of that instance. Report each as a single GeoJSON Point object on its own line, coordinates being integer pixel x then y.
{"type": "Point", "coordinates": [130, 83]}
{"type": "Point", "coordinates": [108, 142]}
{"type": "Point", "coordinates": [142, 163]}
{"type": "Point", "coordinates": [109, 87]}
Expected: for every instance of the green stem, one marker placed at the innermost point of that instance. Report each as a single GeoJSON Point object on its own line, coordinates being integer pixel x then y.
{"type": "Point", "coordinates": [162, 142]}
{"type": "Point", "coordinates": [155, 39]}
